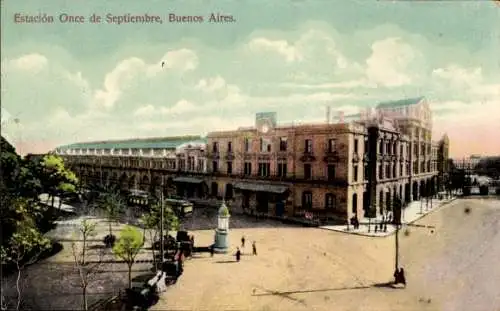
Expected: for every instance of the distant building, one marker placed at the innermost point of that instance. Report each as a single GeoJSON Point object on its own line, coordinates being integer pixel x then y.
{"type": "Point", "coordinates": [142, 164]}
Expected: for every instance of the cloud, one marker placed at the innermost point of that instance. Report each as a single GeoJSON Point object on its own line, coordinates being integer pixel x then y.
{"type": "Point", "coordinates": [32, 63]}
{"type": "Point", "coordinates": [281, 47]}
{"type": "Point", "coordinates": [390, 62]}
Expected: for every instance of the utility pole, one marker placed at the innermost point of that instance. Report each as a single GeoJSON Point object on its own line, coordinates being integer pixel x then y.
{"type": "Point", "coordinates": [397, 248]}
{"type": "Point", "coordinates": [162, 254]}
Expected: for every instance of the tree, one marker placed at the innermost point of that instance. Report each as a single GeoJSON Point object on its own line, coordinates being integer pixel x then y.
{"type": "Point", "coordinates": [24, 246]}
{"type": "Point", "coordinates": [152, 222]}
{"type": "Point", "coordinates": [128, 246]}
{"type": "Point", "coordinates": [57, 179]}
{"type": "Point", "coordinates": [86, 270]}
{"type": "Point", "coordinates": [113, 205]}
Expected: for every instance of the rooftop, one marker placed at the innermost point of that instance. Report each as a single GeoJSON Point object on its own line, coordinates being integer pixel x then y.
{"type": "Point", "coordinates": [138, 143]}
{"type": "Point", "coordinates": [400, 103]}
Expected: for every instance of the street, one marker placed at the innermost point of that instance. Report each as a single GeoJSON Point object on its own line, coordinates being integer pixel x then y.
{"type": "Point", "coordinates": [451, 267]}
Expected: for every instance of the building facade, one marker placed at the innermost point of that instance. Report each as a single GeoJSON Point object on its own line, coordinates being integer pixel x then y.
{"type": "Point", "coordinates": [289, 169]}
{"type": "Point", "coordinates": [328, 170]}
{"type": "Point", "coordinates": [144, 164]}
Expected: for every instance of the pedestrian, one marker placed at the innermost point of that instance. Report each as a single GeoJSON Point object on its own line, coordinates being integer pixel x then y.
{"type": "Point", "coordinates": [212, 250]}
{"type": "Point", "coordinates": [238, 254]}
{"type": "Point", "coordinates": [254, 248]}
{"type": "Point", "coordinates": [243, 242]}
{"type": "Point", "coordinates": [402, 278]}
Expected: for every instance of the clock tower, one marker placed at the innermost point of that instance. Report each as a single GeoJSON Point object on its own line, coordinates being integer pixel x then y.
{"type": "Point", "coordinates": [265, 121]}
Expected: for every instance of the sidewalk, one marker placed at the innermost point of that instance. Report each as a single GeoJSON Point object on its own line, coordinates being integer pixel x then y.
{"type": "Point", "coordinates": [410, 214]}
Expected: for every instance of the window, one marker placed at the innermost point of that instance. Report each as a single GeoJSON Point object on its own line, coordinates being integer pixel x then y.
{"type": "Point", "coordinates": [215, 147]}
{"type": "Point", "coordinates": [366, 146]}
{"type": "Point", "coordinates": [356, 142]}
{"type": "Point", "coordinates": [283, 144]}
{"type": "Point", "coordinates": [380, 147]}
{"type": "Point", "coordinates": [265, 145]}
{"type": "Point", "coordinates": [215, 166]}
{"type": "Point", "coordinates": [401, 150]}
{"type": "Point", "coordinates": [229, 147]}
{"type": "Point", "coordinates": [307, 171]}
{"type": "Point", "coordinates": [401, 171]}
{"type": "Point", "coordinates": [307, 199]}
{"type": "Point", "coordinates": [366, 173]}
{"type": "Point", "coordinates": [264, 169]}
{"type": "Point", "coordinates": [422, 167]}
{"type": "Point", "coordinates": [247, 168]}
{"type": "Point", "coordinates": [407, 169]}
{"type": "Point", "coordinates": [331, 145]}
{"type": "Point", "coordinates": [247, 145]}
{"type": "Point", "coordinates": [229, 168]}
{"type": "Point", "coordinates": [387, 171]}
{"type": "Point", "coordinates": [394, 171]}
{"type": "Point", "coordinates": [329, 201]}
{"type": "Point", "coordinates": [331, 172]}
{"type": "Point", "coordinates": [308, 146]}
{"type": "Point", "coordinates": [380, 172]}
{"type": "Point", "coordinates": [394, 145]}
{"type": "Point", "coordinates": [355, 174]}
{"type": "Point", "coordinates": [282, 169]}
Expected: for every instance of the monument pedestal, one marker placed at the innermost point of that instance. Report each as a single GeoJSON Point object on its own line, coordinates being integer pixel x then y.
{"type": "Point", "coordinates": [221, 241]}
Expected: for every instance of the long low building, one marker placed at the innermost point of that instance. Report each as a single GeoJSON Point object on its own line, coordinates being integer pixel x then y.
{"type": "Point", "coordinates": [327, 170]}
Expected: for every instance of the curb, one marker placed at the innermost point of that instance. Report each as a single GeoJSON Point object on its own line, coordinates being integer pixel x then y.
{"type": "Point", "coordinates": [391, 233]}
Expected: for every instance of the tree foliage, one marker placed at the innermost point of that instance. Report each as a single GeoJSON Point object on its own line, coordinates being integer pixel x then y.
{"type": "Point", "coordinates": [128, 246]}
{"type": "Point", "coordinates": [113, 205]}
{"type": "Point", "coordinates": [152, 222]}
{"type": "Point", "coordinates": [56, 178]}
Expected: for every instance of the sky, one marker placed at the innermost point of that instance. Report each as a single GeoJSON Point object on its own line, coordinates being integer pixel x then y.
{"type": "Point", "coordinates": [64, 83]}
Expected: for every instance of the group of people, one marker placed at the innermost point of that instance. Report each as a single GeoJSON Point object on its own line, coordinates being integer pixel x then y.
{"type": "Point", "coordinates": [238, 251]}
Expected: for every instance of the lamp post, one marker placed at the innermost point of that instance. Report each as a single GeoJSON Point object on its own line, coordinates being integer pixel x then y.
{"type": "Point", "coordinates": [162, 212]}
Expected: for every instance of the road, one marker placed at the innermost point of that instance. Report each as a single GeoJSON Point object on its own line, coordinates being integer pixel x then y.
{"type": "Point", "coordinates": [452, 267]}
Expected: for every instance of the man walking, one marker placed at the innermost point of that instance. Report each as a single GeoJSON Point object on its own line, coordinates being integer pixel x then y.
{"type": "Point", "coordinates": [254, 249]}
{"type": "Point", "coordinates": [238, 254]}
{"type": "Point", "coordinates": [243, 242]}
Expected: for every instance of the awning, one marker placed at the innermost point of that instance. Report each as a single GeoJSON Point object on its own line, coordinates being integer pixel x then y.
{"type": "Point", "coordinates": [261, 187]}
{"type": "Point", "coordinates": [189, 180]}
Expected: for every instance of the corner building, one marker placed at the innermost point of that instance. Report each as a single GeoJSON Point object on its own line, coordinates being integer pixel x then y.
{"type": "Point", "coordinates": [289, 170]}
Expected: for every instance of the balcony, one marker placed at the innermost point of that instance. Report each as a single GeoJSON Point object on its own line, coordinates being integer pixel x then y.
{"type": "Point", "coordinates": [332, 156]}
{"type": "Point", "coordinates": [308, 157]}
{"type": "Point", "coordinates": [229, 156]}
{"type": "Point", "coordinates": [289, 178]}
{"type": "Point", "coordinates": [213, 155]}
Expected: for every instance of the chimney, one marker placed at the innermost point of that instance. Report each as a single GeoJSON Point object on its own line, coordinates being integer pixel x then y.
{"type": "Point", "coordinates": [328, 114]}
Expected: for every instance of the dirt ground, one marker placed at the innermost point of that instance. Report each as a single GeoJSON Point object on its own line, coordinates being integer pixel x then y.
{"type": "Point", "coordinates": [452, 266]}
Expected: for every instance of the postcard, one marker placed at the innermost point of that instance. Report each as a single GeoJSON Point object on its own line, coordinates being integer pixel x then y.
{"type": "Point", "coordinates": [250, 155]}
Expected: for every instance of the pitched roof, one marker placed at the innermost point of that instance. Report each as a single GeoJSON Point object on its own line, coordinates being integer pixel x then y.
{"type": "Point", "coordinates": [138, 143]}
{"type": "Point", "coordinates": [401, 102]}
